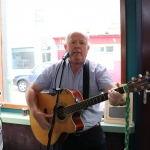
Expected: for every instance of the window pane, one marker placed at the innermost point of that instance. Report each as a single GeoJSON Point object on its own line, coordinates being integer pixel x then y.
{"type": "Point", "coordinates": [22, 58]}
{"type": "Point", "coordinates": [98, 49]}
{"type": "Point", "coordinates": [109, 48]}
{"type": "Point", "coordinates": [33, 33]}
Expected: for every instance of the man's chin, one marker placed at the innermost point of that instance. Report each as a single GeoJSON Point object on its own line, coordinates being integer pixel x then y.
{"type": "Point", "coordinates": [77, 61]}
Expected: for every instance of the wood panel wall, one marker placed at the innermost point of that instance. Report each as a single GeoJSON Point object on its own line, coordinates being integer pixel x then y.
{"type": "Point", "coordinates": [20, 137]}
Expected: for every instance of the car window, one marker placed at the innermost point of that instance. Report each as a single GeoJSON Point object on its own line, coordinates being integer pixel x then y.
{"type": "Point", "coordinates": [40, 68]}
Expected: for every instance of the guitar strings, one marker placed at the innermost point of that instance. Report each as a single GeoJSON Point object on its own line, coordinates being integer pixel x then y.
{"type": "Point", "coordinates": [62, 112]}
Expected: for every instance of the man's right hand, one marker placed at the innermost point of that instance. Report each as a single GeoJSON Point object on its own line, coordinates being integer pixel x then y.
{"type": "Point", "coordinates": [44, 120]}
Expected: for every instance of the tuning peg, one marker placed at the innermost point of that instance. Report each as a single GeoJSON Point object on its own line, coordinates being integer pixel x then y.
{"type": "Point", "coordinates": [147, 73]}
{"type": "Point", "coordinates": [140, 76]}
{"type": "Point", "coordinates": [133, 78]}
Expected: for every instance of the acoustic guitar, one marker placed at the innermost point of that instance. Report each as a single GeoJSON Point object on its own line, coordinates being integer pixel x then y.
{"type": "Point", "coordinates": [67, 119]}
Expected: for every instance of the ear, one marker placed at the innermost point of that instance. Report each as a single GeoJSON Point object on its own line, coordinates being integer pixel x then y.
{"type": "Point", "coordinates": [65, 46]}
{"type": "Point", "coordinates": [88, 47]}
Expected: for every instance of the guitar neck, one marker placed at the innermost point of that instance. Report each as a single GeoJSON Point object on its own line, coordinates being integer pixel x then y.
{"type": "Point", "coordinates": [89, 102]}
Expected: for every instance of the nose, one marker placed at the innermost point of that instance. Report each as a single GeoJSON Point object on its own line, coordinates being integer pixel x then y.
{"type": "Point", "coordinates": [77, 44]}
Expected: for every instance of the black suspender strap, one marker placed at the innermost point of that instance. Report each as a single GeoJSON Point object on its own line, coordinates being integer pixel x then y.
{"type": "Point", "coordinates": [86, 80]}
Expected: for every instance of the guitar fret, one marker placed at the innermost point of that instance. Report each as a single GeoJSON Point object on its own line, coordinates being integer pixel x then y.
{"type": "Point", "coordinates": [97, 99]}
{"type": "Point", "coordinates": [89, 102]}
{"type": "Point", "coordinates": [120, 90]}
{"type": "Point", "coordinates": [86, 103]}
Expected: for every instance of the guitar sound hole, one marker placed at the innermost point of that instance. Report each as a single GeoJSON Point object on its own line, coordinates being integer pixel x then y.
{"type": "Point", "coordinates": [60, 113]}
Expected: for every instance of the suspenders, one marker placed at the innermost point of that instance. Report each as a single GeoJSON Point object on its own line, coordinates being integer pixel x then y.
{"type": "Point", "coordinates": [86, 80]}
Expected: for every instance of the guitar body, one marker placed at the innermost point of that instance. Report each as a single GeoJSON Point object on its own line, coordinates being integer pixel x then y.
{"type": "Point", "coordinates": [64, 124]}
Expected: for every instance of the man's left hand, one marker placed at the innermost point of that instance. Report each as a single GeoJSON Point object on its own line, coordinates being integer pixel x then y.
{"type": "Point", "coordinates": [115, 98]}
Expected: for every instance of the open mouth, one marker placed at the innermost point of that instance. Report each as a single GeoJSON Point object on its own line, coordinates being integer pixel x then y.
{"type": "Point", "coordinates": [76, 52]}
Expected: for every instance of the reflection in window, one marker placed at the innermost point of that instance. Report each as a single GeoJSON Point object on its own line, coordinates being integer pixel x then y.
{"type": "Point", "coordinates": [33, 35]}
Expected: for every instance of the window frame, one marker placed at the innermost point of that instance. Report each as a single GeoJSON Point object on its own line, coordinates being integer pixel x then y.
{"type": "Point", "coordinates": [123, 55]}
{"type": "Point", "coordinates": [123, 40]}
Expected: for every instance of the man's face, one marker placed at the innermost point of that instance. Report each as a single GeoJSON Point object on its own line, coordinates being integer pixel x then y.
{"type": "Point", "coordinates": [77, 45]}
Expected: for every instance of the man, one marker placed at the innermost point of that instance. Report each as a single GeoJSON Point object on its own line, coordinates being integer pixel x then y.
{"type": "Point", "coordinates": [92, 136]}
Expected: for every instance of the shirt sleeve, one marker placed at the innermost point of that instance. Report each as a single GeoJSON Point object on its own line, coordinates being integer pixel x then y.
{"type": "Point", "coordinates": [47, 78]}
{"type": "Point", "coordinates": [103, 78]}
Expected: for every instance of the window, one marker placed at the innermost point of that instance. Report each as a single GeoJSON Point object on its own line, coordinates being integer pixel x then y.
{"type": "Point", "coordinates": [46, 57]}
{"type": "Point", "coordinates": [106, 49]}
{"type": "Point", "coordinates": [22, 58]}
{"type": "Point", "coordinates": [60, 47]}
{"type": "Point", "coordinates": [109, 49]}
{"type": "Point", "coordinates": [98, 49]}
{"type": "Point", "coordinates": [35, 34]}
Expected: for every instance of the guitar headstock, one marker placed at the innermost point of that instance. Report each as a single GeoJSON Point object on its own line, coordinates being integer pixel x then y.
{"type": "Point", "coordinates": [139, 84]}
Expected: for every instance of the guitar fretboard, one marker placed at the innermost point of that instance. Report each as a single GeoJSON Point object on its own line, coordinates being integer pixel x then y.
{"type": "Point", "coordinates": [89, 102]}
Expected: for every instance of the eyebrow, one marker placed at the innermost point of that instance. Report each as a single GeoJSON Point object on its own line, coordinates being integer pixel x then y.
{"type": "Point", "coordinates": [76, 40]}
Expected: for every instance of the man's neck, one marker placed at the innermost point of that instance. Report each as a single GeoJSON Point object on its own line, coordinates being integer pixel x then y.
{"type": "Point", "coordinates": [75, 67]}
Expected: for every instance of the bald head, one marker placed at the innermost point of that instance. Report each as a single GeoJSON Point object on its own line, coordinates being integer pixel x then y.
{"type": "Point", "coordinates": [77, 32]}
